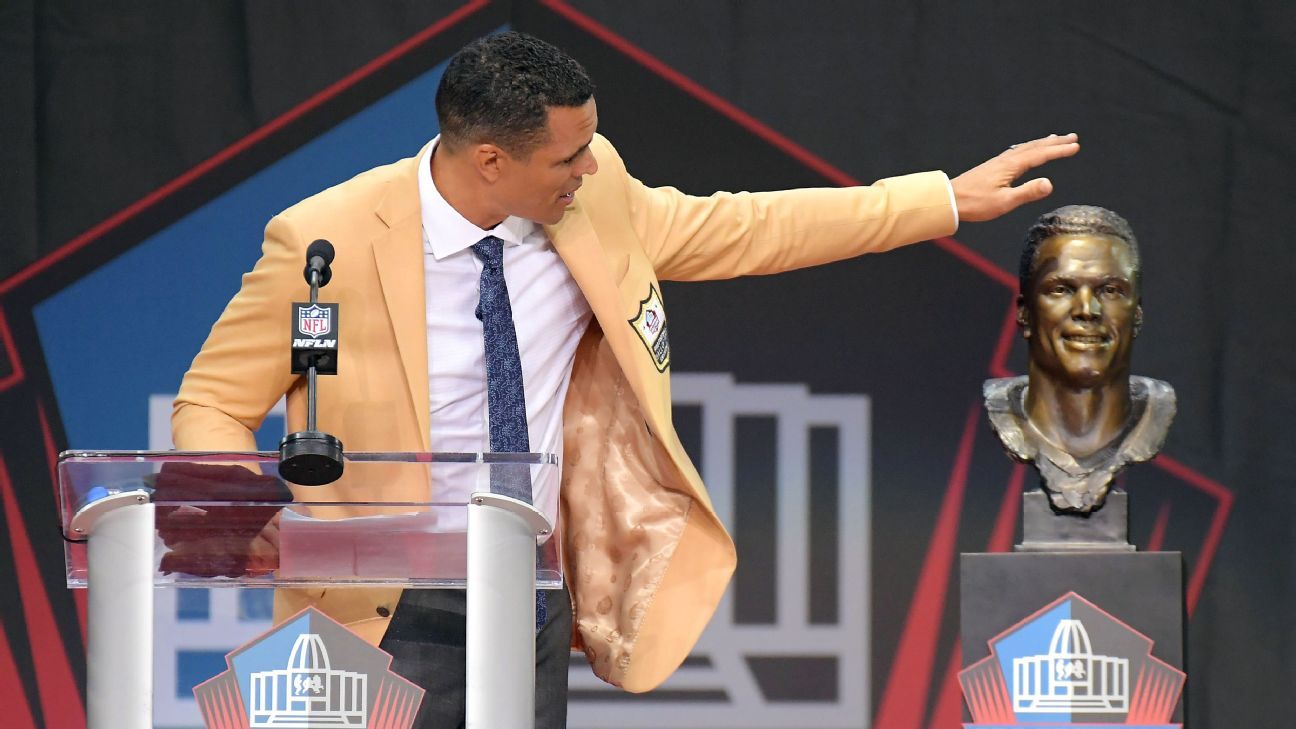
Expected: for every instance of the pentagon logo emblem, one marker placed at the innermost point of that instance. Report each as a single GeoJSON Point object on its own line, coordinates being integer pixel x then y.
{"type": "Point", "coordinates": [1071, 665]}
{"type": "Point", "coordinates": [308, 673]}
{"type": "Point", "coordinates": [650, 325]}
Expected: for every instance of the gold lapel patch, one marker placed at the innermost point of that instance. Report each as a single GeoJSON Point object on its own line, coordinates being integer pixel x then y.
{"type": "Point", "coordinates": [650, 325]}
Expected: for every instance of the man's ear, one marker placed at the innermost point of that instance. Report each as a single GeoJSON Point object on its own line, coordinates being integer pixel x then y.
{"type": "Point", "coordinates": [1138, 319]}
{"type": "Point", "coordinates": [489, 160]}
{"type": "Point", "coordinates": [1023, 318]}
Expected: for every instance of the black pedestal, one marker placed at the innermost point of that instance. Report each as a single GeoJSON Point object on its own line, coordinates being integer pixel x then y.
{"type": "Point", "coordinates": [1080, 638]}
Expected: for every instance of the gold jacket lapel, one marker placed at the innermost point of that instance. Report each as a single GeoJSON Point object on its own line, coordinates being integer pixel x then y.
{"type": "Point", "coordinates": [398, 256]}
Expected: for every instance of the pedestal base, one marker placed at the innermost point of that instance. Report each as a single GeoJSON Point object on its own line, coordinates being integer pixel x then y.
{"type": "Point", "coordinates": [1077, 634]}
{"type": "Point", "coordinates": [1045, 530]}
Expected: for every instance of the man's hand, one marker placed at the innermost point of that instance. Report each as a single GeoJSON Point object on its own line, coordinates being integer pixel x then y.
{"type": "Point", "coordinates": [213, 550]}
{"type": "Point", "coordinates": [986, 191]}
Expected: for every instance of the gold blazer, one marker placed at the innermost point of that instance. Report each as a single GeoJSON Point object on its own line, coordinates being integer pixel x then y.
{"type": "Point", "coordinates": [646, 558]}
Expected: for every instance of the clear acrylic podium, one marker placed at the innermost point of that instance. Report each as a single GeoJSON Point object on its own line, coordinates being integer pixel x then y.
{"type": "Point", "coordinates": [135, 520]}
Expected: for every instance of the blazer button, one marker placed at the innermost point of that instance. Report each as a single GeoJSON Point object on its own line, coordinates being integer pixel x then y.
{"type": "Point", "coordinates": [383, 611]}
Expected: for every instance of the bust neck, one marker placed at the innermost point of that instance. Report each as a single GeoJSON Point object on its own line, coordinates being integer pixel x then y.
{"type": "Point", "coordinates": [1079, 421]}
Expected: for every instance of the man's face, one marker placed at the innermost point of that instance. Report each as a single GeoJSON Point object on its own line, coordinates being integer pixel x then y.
{"type": "Point", "coordinates": [1081, 312]}
{"type": "Point", "coordinates": [542, 185]}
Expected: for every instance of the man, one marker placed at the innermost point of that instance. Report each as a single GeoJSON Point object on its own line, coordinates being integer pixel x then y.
{"type": "Point", "coordinates": [519, 180]}
{"type": "Point", "coordinates": [1078, 414]}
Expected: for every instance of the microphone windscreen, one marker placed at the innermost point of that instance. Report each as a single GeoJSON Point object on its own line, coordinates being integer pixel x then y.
{"type": "Point", "coordinates": [321, 248]}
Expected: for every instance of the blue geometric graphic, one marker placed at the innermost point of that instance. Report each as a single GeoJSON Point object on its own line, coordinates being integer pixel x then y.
{"type": "Point", "coordinates": [130, 328]}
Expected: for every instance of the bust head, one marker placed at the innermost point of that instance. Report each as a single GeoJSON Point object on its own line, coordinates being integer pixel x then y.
{"type": "Point", "coordinates": [1079, 415]}
{"type": "Point", "coordinates": [1078, 305]}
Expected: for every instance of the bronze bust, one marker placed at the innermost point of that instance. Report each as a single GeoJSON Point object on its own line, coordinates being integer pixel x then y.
{"type": "Point", "coordinates": [1078, 415]}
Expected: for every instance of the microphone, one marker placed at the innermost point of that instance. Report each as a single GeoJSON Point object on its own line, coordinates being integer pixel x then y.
{"type": "Point", "coordinates": [318, 257]}
{"type": "Point", "coordinates": [312, 457]}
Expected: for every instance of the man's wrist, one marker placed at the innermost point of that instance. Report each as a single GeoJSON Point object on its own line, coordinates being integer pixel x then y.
{"type": "Point", "coordinates": [949, 187]}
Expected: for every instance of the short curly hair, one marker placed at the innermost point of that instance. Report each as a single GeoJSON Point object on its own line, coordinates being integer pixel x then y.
{"type": "Point", "coordinates": [1076, 220]}
{"type": "Point", "coordinates": [499, 89]}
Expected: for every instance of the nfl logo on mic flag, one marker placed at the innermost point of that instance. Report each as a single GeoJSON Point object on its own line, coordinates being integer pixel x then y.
{"type": "Point", "coordinates": [314, 337]}
{"type": "Point", "coordinates": [314, 320]}
{"type": "Point", "coordinates": [309, 673]}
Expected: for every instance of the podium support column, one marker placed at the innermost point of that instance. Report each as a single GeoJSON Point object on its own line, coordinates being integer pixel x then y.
{"type": "Point", "coordinates": [119, 641]}
{"type": "Point", "coordinates": [501, 600]}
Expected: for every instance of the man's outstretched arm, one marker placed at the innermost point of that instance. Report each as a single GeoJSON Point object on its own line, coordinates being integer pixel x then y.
{"type": "Point", "coordinates": [734, 234]}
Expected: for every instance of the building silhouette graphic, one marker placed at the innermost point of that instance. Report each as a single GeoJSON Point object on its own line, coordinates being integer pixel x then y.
{"type": "Point", "coordinates": [308, 693]}
{"type": "Point", "coordinates": [1068, 684]}
{"type": "Point", "coordinates": [1070, 678]}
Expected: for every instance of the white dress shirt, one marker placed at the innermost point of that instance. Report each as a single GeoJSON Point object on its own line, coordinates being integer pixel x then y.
{"type": "Point", "coordinates": [549, 314]}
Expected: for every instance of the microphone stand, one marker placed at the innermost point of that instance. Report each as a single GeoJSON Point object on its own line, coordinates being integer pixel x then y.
{"type": "Point", "coordinates": [311, 457]}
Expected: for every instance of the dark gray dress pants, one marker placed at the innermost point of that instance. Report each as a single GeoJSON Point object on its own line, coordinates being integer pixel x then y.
{"type": "Point", "coordinates": [426, 641]}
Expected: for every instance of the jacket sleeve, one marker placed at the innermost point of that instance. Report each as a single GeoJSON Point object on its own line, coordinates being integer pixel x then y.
{"type": "Point", "coordinates": [736, 234]}
{"type": "Point", "coordinates": [243, 368]}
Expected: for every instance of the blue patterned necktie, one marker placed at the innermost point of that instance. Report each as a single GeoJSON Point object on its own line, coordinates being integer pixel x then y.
{"type": "Point", "coordinates": [505, 395]}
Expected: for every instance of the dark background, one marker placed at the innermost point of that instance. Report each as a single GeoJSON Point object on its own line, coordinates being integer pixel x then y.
{"type": "Point", "coordinates": [1187, 118]}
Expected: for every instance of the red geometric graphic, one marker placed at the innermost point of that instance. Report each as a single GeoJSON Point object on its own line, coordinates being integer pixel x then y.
{"type": "Point", "coordinates": [906, 697]}
{"type": "Point", "coordinates": [60, 700]}
{"type": "Point", "coordinates": [12, 695]}
{"type": "Point", "coordinates": [10, 355]}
